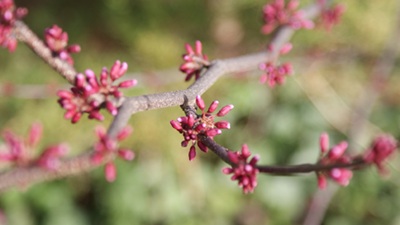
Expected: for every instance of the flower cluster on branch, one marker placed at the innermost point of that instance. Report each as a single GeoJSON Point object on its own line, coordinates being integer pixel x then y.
{"type": "Point", "coordinates": [90, 94]}
{"type": "Point", "coordinates": [20, 151]}
{"type": "Point", "coordinates": [278, 13]}
{"type": "Point", "coordinates": [276, 74]}
{"type": "Point", "coordinates": [334, 155]}
{"type": "Point", "coordinates": [193, 125]}
{"type": "Point", "coordinates": [195, 61]}
{"type": "Point", "coordinates": [9, 13]}
{"type": "Point", "coordinates": [109, 147]}
{"type": "Point", "coordinates": [243, 171]}
{"type": "Point", "coordinates": [381, 149]}
{"type": "Point", "coordinates": [330, 16]}
{"type": "Point", "coordinates": [57, 40]}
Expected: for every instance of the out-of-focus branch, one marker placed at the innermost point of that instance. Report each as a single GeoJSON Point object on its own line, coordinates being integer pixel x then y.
{"type": "Point", "coordinates": [379, 76]}
{"type": "Point", "coordinates": [83, 163]}
{"type": "Point", "coordinates": [377, 82]}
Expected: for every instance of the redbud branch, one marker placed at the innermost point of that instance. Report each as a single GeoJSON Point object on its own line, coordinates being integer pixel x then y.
{"type": "Point", "coordinates": [83, 163]}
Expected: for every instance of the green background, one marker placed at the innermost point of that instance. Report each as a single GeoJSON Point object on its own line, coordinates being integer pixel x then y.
{"type": "Point", "coordinates": [282, 125]}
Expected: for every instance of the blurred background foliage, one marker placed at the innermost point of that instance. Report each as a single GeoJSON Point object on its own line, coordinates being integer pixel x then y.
{"type": "Point", "coordinates": [282, 125]}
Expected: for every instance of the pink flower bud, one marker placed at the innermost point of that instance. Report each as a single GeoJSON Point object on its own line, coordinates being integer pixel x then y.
{"type": "Point", "coordinates": [286, 48]}
{"type": "Point", "coordinates": [337, 151]}
{"type": "Point", "coordinates": [189, 49]}
{"type": "Point", "coordinates": [200, 127]}
{"type": "Point", "coordinates": [223, 125]}
{"type": "Point", "coordinates": [213, 132]}
{"type": "Point", "coordinates": [12, 45]}
{"type": "Point", "coordinates": [110, 172]}
{"type": "Point", "coordinates": [100, 132]}
{"type": "Point", "coordinates": [96, 115]}
{"type": "Point", "coordinates": [341, 176]}
{"type": "Point", "coordinates": [118, 70]}
{"type": "Point", "coordinates": [200, 102]}
{"type": "Point", "coordinates": [225, 110]}
{"type": "Point", "coordinates": [189, 67]}
{"type": "Point", "coordinates": [69, 114]}
{"type": "Point", "coordinates": [254, 160]}
{"type": "Point", "coordinates": [126, 154]}
{"type": "Point", "coordinates": [74, 49]}
{"type": "Point", "coordinates": [227, 170]}
{"type": "Point", "coordinates": [213, 106]}
{"type": "Point", "coordinates": [199, 48]}
{"type": "Point", "coordinates": [202, 146]}
{"type": "Point", "coordinates": [176, 125]}
{"type": "Point", "coordinates": [322, 183]}
{"type": "Point", "coordinates": [65, 94]}
{"type": "Point", "coordinates": [97, 158]}
{"type": "Point", "coordinates": [123, 68]}
{"type": "Point", "coordinates": [233, 156]}
{"type": "Point", "coordinates": [245, 151]}
{"type": "Point", "coordinates": [76, 117]}
{"type": "Point", "coordinates": [80, 80]}
{"type": "Point", "coordinates": [91, 79]}
{"type": "Point", "coordinates": [124, 133]}
{"type": "Point", "coordinates": [192, 153]}
{"type": "Point", "coordinates": [263, 79]}
{"type": "Point", "coordinates": [127, 84]}
{"type": "Point", "coordinates": [35, 134]}
{"type": "Point", "coordinates": [184, 143]}
{"type": "Point", "coordinates": [190, 120]}
{"type": "Point", "coordinates": [308, 24]}
{"type": "Point", "coordinates": [287, 68]}
{"type": "Point", "coordinates": [104, 77]}
{"type": "Point", "coordinates": [111, 108]}
{"type": "Point", "coordinates": [115, 70]}
{"type": "Point", "coordinates": [324, 142]}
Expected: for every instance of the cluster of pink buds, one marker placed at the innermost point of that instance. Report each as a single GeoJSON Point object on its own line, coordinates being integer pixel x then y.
{"type": "Point", "coordinates": [195, 61]}
{"type": "Point", "coordinates": [193, 125]}
{"type": "Point", "coordinates": [242, 171]}
{"type": "Point", "coordinates": [8, 15]}
{"type": "Point", "coordinates": [381, 149]}
{"type": "Point", "coordinates": [274, 75]}
{"type": "Point", "coordinates": [18, 150]}
{"type": "Point", "coordinates": [332, 156]}
{"type": "Point", "coordinates": [278, 13]}
{"type": "Point", "coordinates": [331, 16]}
{"type": "Point", "coordinates": [50, 158]}
{"type": "Point", "coordinates": [90, 94]}
{"type": "Point", "coordinates": [57, 40]}
{"type": "Point", "coordinates": [107, 147]}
